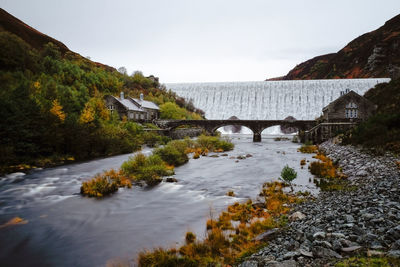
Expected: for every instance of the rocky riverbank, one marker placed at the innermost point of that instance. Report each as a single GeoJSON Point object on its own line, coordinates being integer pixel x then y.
{"type": "Point", "coordinates": [363, 219]}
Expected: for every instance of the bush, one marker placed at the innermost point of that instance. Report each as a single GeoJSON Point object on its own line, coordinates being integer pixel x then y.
{"type": "Point", "coordinates": [98, 186]}
{"type": "Point", "coordinates": [152, 139]}
{"type": "Point", "coordinates": [148, 169]}
{"type": "Point", "coordinates": [190, 237]}
{"type": "Point", "coordinates": [308, 149]}
{"type": "Point", "coordinates": [386, 126]}
{"type": "Point", "coordinates": [173, 153]}
{"type": "Point", "coordinates": [104, 184]}
{"type": "Point", "coordinates": [213, 143]}
{"type": "Point", "coordinates": [288, 174]}
{"type": "Point", "coordinates": [323, 168]}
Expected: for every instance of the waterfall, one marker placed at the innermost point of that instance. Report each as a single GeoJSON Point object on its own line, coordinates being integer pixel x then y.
{"type": "Point", "coordinates": [268, 100]}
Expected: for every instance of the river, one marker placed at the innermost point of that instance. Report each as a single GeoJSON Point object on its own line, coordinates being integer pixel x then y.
{"type": "Point", "coordinates": [66, 229]}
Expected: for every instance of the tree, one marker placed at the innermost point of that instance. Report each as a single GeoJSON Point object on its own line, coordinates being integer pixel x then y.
{"type": "Point", "coordinates": [123, 70]}
{"type": "Point", "coordinates": [288, 175]}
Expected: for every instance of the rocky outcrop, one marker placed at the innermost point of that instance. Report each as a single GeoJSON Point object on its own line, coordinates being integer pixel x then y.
{"type": "Point", "coordinates": [375, 54]}
{"type": "Point", "coordinates": [337, 224]}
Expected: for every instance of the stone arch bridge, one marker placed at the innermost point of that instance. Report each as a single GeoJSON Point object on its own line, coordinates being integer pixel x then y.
{"type": "Point", "coordinates": [256, 126]}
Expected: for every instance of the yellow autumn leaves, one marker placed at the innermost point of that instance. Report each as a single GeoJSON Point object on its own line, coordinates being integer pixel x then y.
{"type": "Point", "coordinates": [57, 110]}
{"type": "Point", "coordinates": [95, 108]}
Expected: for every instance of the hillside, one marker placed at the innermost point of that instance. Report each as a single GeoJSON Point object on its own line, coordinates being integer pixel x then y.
{"type": "Point", "coordinates": [33, 37]}
{"type": "Point", "coordinates": [372, 55]}
{"type": "Point", "coordinates": [51, 102]}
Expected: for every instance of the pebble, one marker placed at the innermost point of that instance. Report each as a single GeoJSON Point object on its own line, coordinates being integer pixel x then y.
{"type": "Point", "coordinates": [344, 222]}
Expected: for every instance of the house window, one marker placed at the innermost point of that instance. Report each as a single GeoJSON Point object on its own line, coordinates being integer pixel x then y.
{"type": "Point", "coordinates": [111, 107]}
{"type": "Point", "coordinates": [131, 115]}
{"type": "Point", "coordinates": [351, 110]}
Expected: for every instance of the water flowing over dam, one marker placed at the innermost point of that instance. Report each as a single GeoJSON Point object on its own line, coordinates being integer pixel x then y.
{"type": "Point", "coordinates": [268, 100]}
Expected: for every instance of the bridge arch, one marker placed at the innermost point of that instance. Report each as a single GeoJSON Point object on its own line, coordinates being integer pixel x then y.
{"type": "Point", "coordinates": [256, 126]}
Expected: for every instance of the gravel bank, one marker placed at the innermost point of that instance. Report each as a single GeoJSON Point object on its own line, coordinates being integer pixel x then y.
{"type": "Point", "coordinates": [341, 223]}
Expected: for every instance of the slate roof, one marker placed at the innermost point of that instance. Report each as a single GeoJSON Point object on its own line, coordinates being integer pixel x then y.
{"type": "Point", "coordinates": [146, 104]}
{"type": "Point", "coordinates": [128, 104]}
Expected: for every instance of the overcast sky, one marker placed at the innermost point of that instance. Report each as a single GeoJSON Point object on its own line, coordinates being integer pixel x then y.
{"type": "Point", "coordinates": [205, 40]}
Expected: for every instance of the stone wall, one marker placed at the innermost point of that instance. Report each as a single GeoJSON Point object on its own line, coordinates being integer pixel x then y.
{"type": "Point", "coordinates": [182, 133]}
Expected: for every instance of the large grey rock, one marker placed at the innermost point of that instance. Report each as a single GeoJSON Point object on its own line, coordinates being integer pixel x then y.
{"type": "Point", "coordinates": [319, 235]}
{"type": "Point", "coordinates": [351, 249]}
{"type": "Point", "coordinates": [287, 263]}
{"type": "Point", "coordinates": [250, 263]}
{"type": "Point", "coordinates": [305, 253]}
{"type": "Point", "coordinates": [321, 252]}
{"type": "Point", "coordinates": [268, 235]}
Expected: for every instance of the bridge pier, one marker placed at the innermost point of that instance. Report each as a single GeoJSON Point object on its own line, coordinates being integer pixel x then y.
{"type": "Point", "coordinates": [256, 137]}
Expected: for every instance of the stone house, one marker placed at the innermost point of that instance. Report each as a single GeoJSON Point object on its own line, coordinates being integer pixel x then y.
{"type": "Point", "coordinates": [131, 108]}
{"type": "Point", "coordinates": [151, 109]}
{"type": "Point", "coordinates": [349, 106]}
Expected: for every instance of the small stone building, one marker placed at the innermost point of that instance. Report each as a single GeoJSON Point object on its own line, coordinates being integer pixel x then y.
{"type": "Point", "coordinates": [349, 106]}
{"type": "Point", "coordinates": [151, 109]}
{"type": "Point", "coordinates": [131, 108]}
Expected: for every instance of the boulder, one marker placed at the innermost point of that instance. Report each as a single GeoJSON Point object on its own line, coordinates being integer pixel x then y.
{"type": "Point", "coordinates": [297, 216]}
{"type": "Point", "coordinates": [268, 235]}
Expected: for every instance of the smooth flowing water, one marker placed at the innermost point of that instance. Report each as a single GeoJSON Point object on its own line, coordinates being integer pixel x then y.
{"type": "Point", "coordinates": [66, 229]}
{"type": "Point", "coordinates": [268, 100]}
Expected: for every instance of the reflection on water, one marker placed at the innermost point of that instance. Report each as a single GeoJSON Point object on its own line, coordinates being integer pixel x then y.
{"type": "Point", "coordinates": [66, 229]}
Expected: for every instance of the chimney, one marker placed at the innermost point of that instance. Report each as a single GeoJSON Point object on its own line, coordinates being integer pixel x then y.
{"type": "Point", "coordinates": [141, 96]}
{"type": "Point", "coordinates": [121, 96]}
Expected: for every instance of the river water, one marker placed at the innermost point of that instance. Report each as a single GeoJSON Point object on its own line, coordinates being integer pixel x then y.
{"type": "Point", "coordinates": [66, 229]}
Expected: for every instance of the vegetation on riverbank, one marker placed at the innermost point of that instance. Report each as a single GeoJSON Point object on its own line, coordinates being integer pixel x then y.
{"type": "Point", "coordinates": [308, 148]}
{"type": "Point", "coordinates": [151, 169]}
{"type": "Point", "coordinates": [362, 261]}
{"type": "Point", "coordinates": [233, 236]}
{"type": "Point", "coordinates": [52, 108]}
{"type": "Point", "coordinates": [381, 132]}
{"type": "Point", "coordinates": [329, 176]}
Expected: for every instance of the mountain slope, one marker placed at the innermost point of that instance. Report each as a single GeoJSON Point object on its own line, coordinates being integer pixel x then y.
{"type": "Point", "coordinates": [372, 55]}
{"type": "Point", "coordinates": [30, 35]}
{"type": "Point", "coordinates": [52, 107]}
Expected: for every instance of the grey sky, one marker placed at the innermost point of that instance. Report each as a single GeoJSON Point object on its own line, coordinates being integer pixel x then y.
{"type": "Point", "coordinates": [207, 40]}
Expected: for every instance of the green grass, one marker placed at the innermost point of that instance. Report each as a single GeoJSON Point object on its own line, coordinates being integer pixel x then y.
{"type": "Point", "coordinates": [368, 262]}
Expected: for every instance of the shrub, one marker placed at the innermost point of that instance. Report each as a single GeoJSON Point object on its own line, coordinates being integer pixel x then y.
{"type": "Point", "coordinates": [230, 193]}
{"type": "Point", "coordinates": [104, 184]}
{"type": "Point", "coordinates": [152, 139]}
{"type": "Point", "coordinates": [288, 174]}
{"type": "Point", "coordinates": [308, 149]}
{"type": "Point", "coordinates": [303, 162]}
{"type": "Point", "coordinates": [190, 237]}
{"type": "Point", "coordinates": [323, 168]}
{"type": "Point", "coordinates": [213, 143]}
{"type": "Point", "coordinates": [148, 169]}
{"type": "Point", "coordinates": [173, 153]}
{"type": "Point", "coordinates": [98, 186]}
